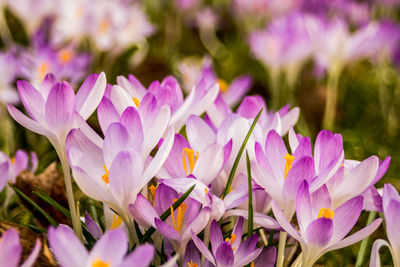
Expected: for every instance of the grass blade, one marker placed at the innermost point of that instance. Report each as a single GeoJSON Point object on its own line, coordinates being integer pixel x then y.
{"type": "Point", "coordinates": [250, 208]}
{"type": "Point", "coordinates": [44, 196]}
{"type": "Point", "coordinates": [50, 219]}
{"type": "Point", "coordinates": [166, 214]}
{"type": "Point", "coordinates": [239, 155]}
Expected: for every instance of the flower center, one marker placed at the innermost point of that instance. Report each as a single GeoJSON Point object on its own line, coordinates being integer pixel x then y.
{"type": "Point", "coordinates": [13, 159]}
{"type": "Point", "coordinates": [153, 192]}
{"type": "Point", "coordinates": [288, 165]}
{"type": "Point", "coordinates": [116, 222]}
{"type": "Point", "coordinates": [223, 86]}
{"type": "Point", "coordinates": [231, 240]}
{"type": "Point", "coordinates": [99, 263]}
{"type": "Point", "coordinates": [326, 213]}
{"type": "Point", "coordinates": [137, 101]}
{"type": "Point", "coordinates": [191, 157]}
{"type": "Point", "coordinates": [65, 56]}
{"type": "Point", "coordinates": [42, 69]}
{"type": "Point", "coordinates": [179, 216]}
{"type": "Point", "coordinates": [104, 26]}
{"type": "Point", "coordinates": [105, 176]}
{"type": "Point", "coordinates": [192, 264]}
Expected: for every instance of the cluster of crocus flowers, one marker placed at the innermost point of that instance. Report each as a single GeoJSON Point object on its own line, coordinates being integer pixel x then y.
{"type": "Point", "coordinates": [141, 167]}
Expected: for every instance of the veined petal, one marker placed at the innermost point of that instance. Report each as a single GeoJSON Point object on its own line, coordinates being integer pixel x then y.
{"type": "Point", "coordinates": [47, 83]}
{"type": "Point", "coordinates": [192, 254]}
{"type": "Point", "coordinates": [392, 217]}
{"type": "Point", "coordinates": [197, 225]}
{"type": "Point", "coordinates": [209, 164]}
{"type": "Point", "coordinates": [92, 226]}
{"type": "Point", "coordinates": [106, 114]}
{"type": "Point", "coordinates": [302, 169]}
{"type": "Point", "coordinates": [181, 185]}
{"type": "Point", "coordinates": [289, 120]}
{"type": "Point", "coordinates": [345, 217]}
{"type": "Point", "coordinates": [224, 256]}
{"type": "Point", "coordinates": [145, 219]}
{"type": "Point", "coordinates": [33, 255]}
{"type": "Point", "coordinates": [389, 193]}
{"type": "Point", "coordinates": [303, 206]}
{"type": "Point", "coordinates": [237, 89]}
{"type": "Point", "coordinates": [319, 232]}
{"type": "Point", "coordinates": [132, 86]}
{"type": "Point", "coordinates": [275, 151]}
{"type": "Point", "coordinates": [375, 260]}
{"type": "Point", "coordinates": [215, 236]}
{"type": "Point", "coordinates": [121, 99]}
{"type": "Point", "coordinates": [356, 237]}
{"type": "Point", "coordinates": [27, 122]}
{"type": "Point", "coordinates": [90, 94]}
{"type": "Point", "coordinates": [267, 258]}
{"type": "Point", "coordinates": [131, 120]}
{"type": "Point", "coordinates": [116, 139]}
{"type": "Point", "coordinates": [156, 131]}
{"type": "Point", "coordinates": [66, 247]}
{"type": "Point", "coordinates": [60, 108]}
{"type": "Point", "coordinates": [141, 256]}
{"type": "Point", "coordinates": [280, 217]}
{"type": "Point", "coordinates": [199, 133]}
{"type": "Point", "coordinates": [112, 246]}
{"type": "Point", "coordinates": [203, 249]}
{"type": "Point", "coordinates": [32, 100]}
{"type": "Point", "coordinates": [258, 218]}
{"type": "Point", "coordinates": [166, 230]}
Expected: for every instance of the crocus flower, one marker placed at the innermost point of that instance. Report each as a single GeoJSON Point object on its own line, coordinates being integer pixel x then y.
{"type": "Point", "coordinates": [231, 251]}
{"type": "Point", "coordinates": [131, 92]}
{"type": "Point", "coordinates": [323, 228]}
{"type": "Point", "coordinates": [9, 70]}
{"type": "Point", "coordinates": [115, 170]}
{"type": "Point", "coordinates": [110, 250]}
{"type": "Point", "coordinates": [391, 211]}
{"type": "Point", "coordinates": [189, 217]}
{"type": "Point", "coordinates": [11, 250]}
{"type": "Point", "coordinates": [51, 107]}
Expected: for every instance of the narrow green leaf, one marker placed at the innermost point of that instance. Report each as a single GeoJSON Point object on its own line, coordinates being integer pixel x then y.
{"type": "Point", "coordinates": [239, 155]}
{"type": "Point", "coordinates": [250, 208]}
{"type": "Point", "coordinates": [43, 195]}
{"type": "Point", "coordinates": [166, 214]}
{"type": "Point", "coordinates": [50, 219]}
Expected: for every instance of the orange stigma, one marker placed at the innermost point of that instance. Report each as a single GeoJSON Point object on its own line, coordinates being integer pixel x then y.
{"type": "Point", "coordinates": [326, 213]}
{"type": "Point", "coordinates": [105, 176]}
{"type": "Point", "coordinates": [179, 217]}
{"type": "Point", "coordinates": [191, 157]}
{"type": "Point", "coordinates": [288, 165]}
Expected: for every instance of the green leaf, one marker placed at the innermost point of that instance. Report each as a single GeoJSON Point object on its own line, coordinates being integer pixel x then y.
{"type": "Point", "coordinates": [50, 219]}
{"type": "Point", "coordinates": [250, 208]}
{"type": "Point", "coordinates": [166, 214]}
{"type": "Point", "coordinates": [43, 195]}
{"type": "Point", "coordinates": [239, 155]}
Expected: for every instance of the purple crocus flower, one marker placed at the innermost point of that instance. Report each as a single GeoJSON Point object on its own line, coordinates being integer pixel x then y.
{"type": "Point", "coordinates": [323, 228]}
{"type": "Point", "coordinates": [189, 217]}
{"type": "Point", "coordinates": [9, 70]}
{"type": "Point", "coordinates": [231, 251]}
{"type": "Point", "coordinates": [391, 210]}
{"type": "Point", "coordinates": [110, 250]}
{"type": "Point", "coordinates": [52, 106]}
{"type": "Point", "coordinates": [11, 250]}
{"type": "Point", "coordinates": [131, 92]}
{"type": "Point", "coordinates": [115, 170]}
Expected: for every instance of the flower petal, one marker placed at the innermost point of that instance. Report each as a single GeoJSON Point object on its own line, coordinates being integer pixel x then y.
{"type": "Point", "coordinates": [141, 256]}
{"type": "Point", "coordinates": [224, 256]}
{"type": "Point", "coordinates": [199, 133]}
{"type": "Point", "coordinates": [319, 232]}
{"type": "Point", "coordinates": [10, 248]}
{"type": "Point", "coordinates": [145, 219]}
{"type": "Point", "coordinates": [90, 94]}
{"type": "Point", "coordinates": [215, 236]}
{"type": "Point", "coordinates": [27, 122]}
{"type": "Point", "coordinates": [32, 100]}
{"type": "Point", "coordinates": [166, 230]}
{"type": "Point", "coordinates": [106, 114]}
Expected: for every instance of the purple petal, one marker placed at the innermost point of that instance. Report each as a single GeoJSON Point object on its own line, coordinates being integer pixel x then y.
{"type": "Point", "coordinates": [47, 83]}
{"type": "Point", "coordinates": [356, 237]}
{"type": "Point", "coordinates": [319, 232]}
{"type": "Point", "coordinates": [237, 89]}
{"type": "Point", "coordinates": [106, 114]}
{"type": "Point", "coordinates": [383, 167]}
{"type": "Point", "coordinates": [92, 226]}
{"type": "Point", "coordinates": [302, 169]}
{"type": "Point", "coordinates": [280, 217]}
{"type": "Point", "coordinates": [320, 199]}
{"type": "Point", "coordinates": [267, 258]}
{"type": "Point", "coordinates": [145, 219]}
{"type": "Point", "coordinates": [60, 107]}
{"type": "Point", "coordinates": [250, 106]}
{"type": "Point", "coordinates": [209, 164]}
{"type": "Point", "coordinates": [10, 248]}
{"type": "Point", "coordinates": [192, 254]}
{"type": "Point", "coordinates": [174, 164]}
{"type": "Point", "coordinates": [245, 249]}
{"type": "Point", "coordinates": [131, 120]}
{"type": "Point", "coordinates": [67, 249]}
{"type": "Point", "coordinates": [32, 100]}
{"type": "Point", "coordinates": [196, 225]}
{"type": "Point", "coordinates": [275, 150]}
{"type": "Point", "coordinates": [166, 230]}
{"type": "Point", "coordinates": [203, 249]}
{"type": "Point", "coordinates": [389, 193]}
{"type": "Point", "coordinates": [215, 236]}
{"type": "Point", "coordinates": [345, 217]}
{"type": "Point", "coordinates": [224, 256]}
{"type": "Point", "coordinates": [375, 259]}
{"type": "Point", "coordinates": [27, 122]}
{"type": "Point", "coordinates": [90, 94]}
{"type": "Point", "coordinates": [112, 246]}
{"type": "Point", "coordinates": [199, 134]}
{"type": "Point", "coordinates": [303, 206]}
{"type": "Point", "coordinates": [116, 139]}
{"type": "Point", "coordinates": [392, 216]}
{"type": "Point", "coordinates": [238, 230]}
{"type": "Point", "coordinates": [30, 261]}
{"type": "Point", "coordinates": [141, 256]}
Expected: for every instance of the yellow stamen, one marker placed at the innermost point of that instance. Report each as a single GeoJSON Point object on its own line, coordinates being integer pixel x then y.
{"type": "Point", "coordinates": [223, 85]}
{"type": "Point", "coordinates": [65, 55]}
{"type": "Point", "coordinates": [206, 189]}
{"type": "Point", "coordinates": [288, 165]}
{"type": "Point", "coordinates": [105, 176]}
{"type": "Point", "coordinates": [137, 101]}
{"type": "Point", "coordinates": [179, 217]}
{"type": "Point", "coordinates": [326, 213]}
{"type": "Point", "coordinates": [116, 222]}
{"type": "Point", "coordinates": [153, 192]}
{"type": "Point", "coordinates": [104, 26]}
{"type": "Point", "coordinates": [13, 159]}
{"type": "Point", "coordinates": [192, 264]}
{"type": "Point", "coordinates": [252, 264]}
{"type": "Point", "coordinates": [192, 158]}
{"type": "Point", "coordinates": [99, 263]}
{"type": "Point", "coordinates": [42, 69]}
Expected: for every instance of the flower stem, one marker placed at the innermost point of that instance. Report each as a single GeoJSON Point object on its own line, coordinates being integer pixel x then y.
{"type": "Point", "coordinates": [331, 98]}
{"type": "Point", "coordinates": [364, 243]}
{"type": "Point", "coordinates": [281, 249]}
{"type": "Point", "coordinates": [76, 222]}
